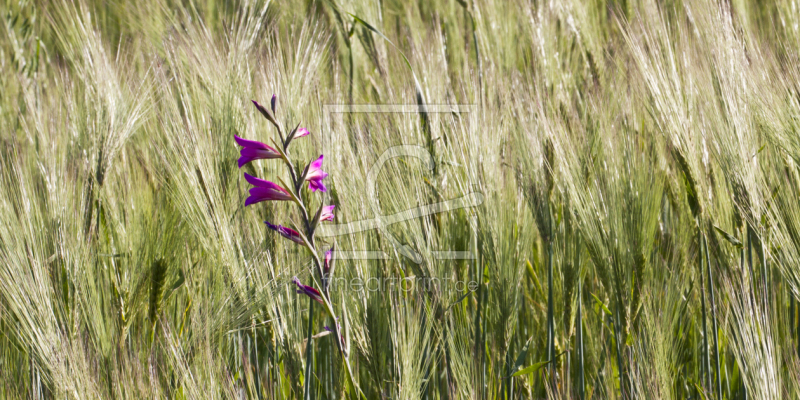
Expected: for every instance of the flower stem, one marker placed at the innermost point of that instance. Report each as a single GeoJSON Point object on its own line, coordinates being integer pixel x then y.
{"type": "Point", "coordinates": [309, 351]}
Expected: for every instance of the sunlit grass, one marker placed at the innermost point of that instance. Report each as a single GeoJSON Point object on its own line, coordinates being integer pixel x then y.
{"type": "Point", "coordinates": [631, 157]}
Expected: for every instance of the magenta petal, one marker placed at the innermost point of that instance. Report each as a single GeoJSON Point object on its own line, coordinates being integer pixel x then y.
{"type": "Point", "coordinates": [317, 185]}
{"type": "Point", "coordinates": [258, 182]}
{"type": "Point", "coordinates": [251, 143]}
{"type": "Point", "coordinates": [327, 263]}
{"type": "Point", "coordinates": [264, 190]}
{"type": "Point", "coordinates": [269, 194]}
{"type": "Point", "coordinates": [258, 195]}
{"type": "Point", "coordinates": [309, 291]}
{"type": "Point", "coordinates": [249, 154]}
{"type": "Point", "coordinates": [317, 164]}
{"type": "Point", "coordinates": [267, 153]}
{"type": "Point", "coordinates": [313, 291]}
{"type": "Point", "coordinates": [296, 281]}
{"type": "Point", "coordinates": [293, 236]}
{"type": "Point", "coordinates": [315, 175]}
{"type": "Point", "coordinates": [288, 233]}
{"type": "Point", "coordinates": [253, 200]}
{"type": "Point", "coordinates": [252, 153]}
{"type": "Point", "coordinates": [315, 171]}
{"type": "Point", "coordinates": [243, 160]}
{"type": "Point", "coordinates": [321, 175]}
{"type": "Point", "coordinates": [327, 213]}
{"type": "Point", "coordinates": [301, 132]}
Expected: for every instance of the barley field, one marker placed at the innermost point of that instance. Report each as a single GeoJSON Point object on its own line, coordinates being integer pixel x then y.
{"type": "Point", "coordinates": [519, 199]}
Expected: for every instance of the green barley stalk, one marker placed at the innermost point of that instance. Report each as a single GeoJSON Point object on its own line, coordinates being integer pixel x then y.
{"type": "Point", "coordinates": [713, 308]}
{"type": "Point", "coordinates": [706, 363]}
{"type": "Point", "coordinates": [309, 352]}
{"type": "Point", "coordinates": [579, 340]}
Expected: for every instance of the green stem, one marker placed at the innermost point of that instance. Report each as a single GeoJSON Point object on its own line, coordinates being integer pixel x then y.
{"type": "Point", "coordinates": [479, 348]}
{"type": "Point", "coordinates": [752, 282]}
{"type": "Point", "coordinates": [579, 338]}
{"type": "Point", "coordinates": [752, 279]}
{"type": "Point", "coordinates": [483, 340]}
{"type": "Point", "coordinates": [550, 327]}
{"type": "Point", "coordinates": [616, 323]}
{"type": "Point", "coordinates": [505, 390]}
{"type": "Point", "coordinates": [797, 329]}
{"type": "Point", "coordinates": [706, 364]}
{"type": "Point", "coordinates": [714, 322]}
{"type": "Point", "coordinates": [309, 352]}
{"type": "Point", "coordinates": [510, 381]}
{"type": "Point", "coordinates": [766, 276]}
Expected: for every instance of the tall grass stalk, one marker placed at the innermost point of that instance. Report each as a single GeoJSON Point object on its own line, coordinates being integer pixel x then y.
{"type": "Point", "coordinates": [579, 340]}
{"type": "Point", "coordinates": [713, 308]}
{"type": "Point", "coordinates": [309, 352]}
{"type": "Point", "coordinates": [706, 363]}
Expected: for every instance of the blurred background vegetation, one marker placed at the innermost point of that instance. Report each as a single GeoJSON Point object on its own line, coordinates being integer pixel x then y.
{"type": "Point", "coordinates": [639, 235]}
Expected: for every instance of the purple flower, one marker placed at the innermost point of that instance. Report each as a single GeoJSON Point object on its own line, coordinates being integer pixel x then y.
{"type": "Point", "coordinates": [264, 190]}
{"type": "Point", "coordinates": [300, 133]}
{"type": "Point", "coordinates": [297, 132]}
{"type": "Point", "coordinates": [288, 233]}
{"type": "Point", "coordinates": [327, 213]}
{"type": "Point", "coordinates": [252, 150]}
{"type": "Point", "coordinates": [327, 263]}
{"type": "Point", "coordinates": [315, 176]}
{"type": "Point", "coordinates": [308, 291]}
